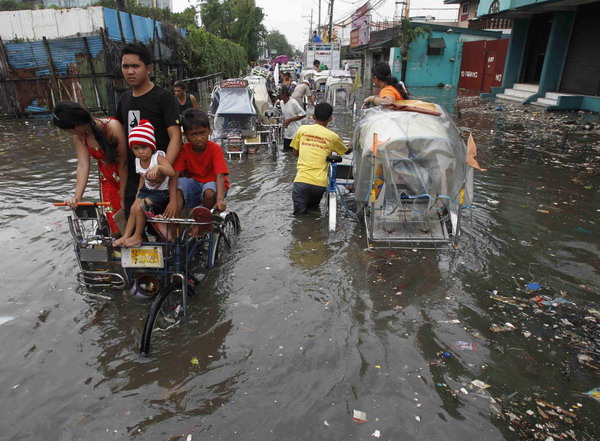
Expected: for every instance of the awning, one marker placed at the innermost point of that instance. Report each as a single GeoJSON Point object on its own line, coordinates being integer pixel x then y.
{"type": "Point", "coordinates": [381, 44]}
{"type": "Point", "coordinates": [436, 43]}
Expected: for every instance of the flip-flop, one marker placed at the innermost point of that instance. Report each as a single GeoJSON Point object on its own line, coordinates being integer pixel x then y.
{"type": "Point", "coordinates": [203, 216]}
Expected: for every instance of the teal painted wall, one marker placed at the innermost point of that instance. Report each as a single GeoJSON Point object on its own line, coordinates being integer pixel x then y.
{"type": "Point", "coordinates": [556, 52]}
{"type": "Point", "coordinates": [431, 70]}
{"type": "Point", "coordinates": [516, 51]}
{"type": "Point", "coordinates": [484, 6]}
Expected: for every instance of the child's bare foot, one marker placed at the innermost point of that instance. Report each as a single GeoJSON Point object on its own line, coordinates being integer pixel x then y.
{"type": "Point", "coordinates": [132, 241]}
{"type": "Point", "coordinates": [120, 242]}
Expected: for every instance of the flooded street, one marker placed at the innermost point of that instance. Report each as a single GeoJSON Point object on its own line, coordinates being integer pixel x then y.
{"type": "Point", "coordinates": [299, 327]}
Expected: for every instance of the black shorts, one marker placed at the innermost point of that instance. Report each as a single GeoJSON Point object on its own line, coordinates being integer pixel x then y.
{"type": "Point", "coordinates": [286, 145]}
{"type": "Point", "coordinates": [306, 197]}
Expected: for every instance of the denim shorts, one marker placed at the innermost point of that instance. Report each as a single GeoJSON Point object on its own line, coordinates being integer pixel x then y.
{"type": "Point", "coordinates": [159, 198]}
{"type": "Point", "coordinates": [193, 191]}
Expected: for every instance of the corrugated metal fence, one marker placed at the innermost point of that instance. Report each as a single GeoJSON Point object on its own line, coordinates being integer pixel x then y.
{"type": "Point", "coordinates": [35, 75]}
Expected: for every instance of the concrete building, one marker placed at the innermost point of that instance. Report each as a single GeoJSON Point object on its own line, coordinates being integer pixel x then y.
{"type": "Point", "coordinates": [467, 17]}
{"type": "Point", "coordinates": [432, 61]}
{"type": "Point", "coordinates": [552, 58]}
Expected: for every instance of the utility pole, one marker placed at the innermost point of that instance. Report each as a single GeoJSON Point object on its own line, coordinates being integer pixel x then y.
{"type": "Point", "coordinates": [330, 19]}
{"type": "Point", "coordinates": [319, 21]}
{"type": "Point", "coordinates": [310, 32]}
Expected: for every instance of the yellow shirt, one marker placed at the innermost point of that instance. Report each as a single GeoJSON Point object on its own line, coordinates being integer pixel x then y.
{"type": "Point", "coordinates": [314, 143]}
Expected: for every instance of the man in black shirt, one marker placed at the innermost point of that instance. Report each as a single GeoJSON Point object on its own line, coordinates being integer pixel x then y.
{"type": "Point", "coordinates": [148, 101]}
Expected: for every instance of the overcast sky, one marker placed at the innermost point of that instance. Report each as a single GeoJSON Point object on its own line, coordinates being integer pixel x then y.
{"type": "Point", "coordinates": [292, 17]}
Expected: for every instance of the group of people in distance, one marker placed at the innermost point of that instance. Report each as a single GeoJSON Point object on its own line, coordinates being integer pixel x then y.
{"type": "Point", "coordinates": [156, 169]}
{"type": "Point", "coordinates": [142, 161]}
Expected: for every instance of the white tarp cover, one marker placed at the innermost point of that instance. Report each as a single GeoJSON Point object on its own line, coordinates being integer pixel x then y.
{"type": "Point", "coordinates": [420, 155]}
{"type": "Point", "coordinates": [232, 101]}
{"type": "Point", "coordinates": [262, 101]}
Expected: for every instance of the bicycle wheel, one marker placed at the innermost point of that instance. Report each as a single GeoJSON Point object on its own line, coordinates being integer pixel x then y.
{"type": "Point", "coordinates": [166, 312]}
{"type": "Point", "coordinates": [274, 150]}
{"type": "Point", "coordinates": [332, 209]}
{"type": "Point", "coordinates": [229, 230]}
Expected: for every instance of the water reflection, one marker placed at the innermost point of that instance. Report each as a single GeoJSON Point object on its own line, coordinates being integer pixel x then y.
{"type": "Point", "coordinates": [299, 326]}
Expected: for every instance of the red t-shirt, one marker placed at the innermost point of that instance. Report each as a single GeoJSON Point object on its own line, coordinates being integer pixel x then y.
{"type": "Point", "coordinates": [203, 167]}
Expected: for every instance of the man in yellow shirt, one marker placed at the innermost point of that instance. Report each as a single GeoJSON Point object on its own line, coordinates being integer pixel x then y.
{"type": "Point", "coordinates": [312, 144]}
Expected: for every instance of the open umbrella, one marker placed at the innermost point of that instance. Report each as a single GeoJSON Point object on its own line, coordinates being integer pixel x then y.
{"type": "Point", "coordinates": [282, 59]}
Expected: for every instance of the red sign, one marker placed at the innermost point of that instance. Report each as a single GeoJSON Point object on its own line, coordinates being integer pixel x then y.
{"type": "Point", "coordinates": [354, 38]}
{"type": "Point", "coordinates": [234, 83]}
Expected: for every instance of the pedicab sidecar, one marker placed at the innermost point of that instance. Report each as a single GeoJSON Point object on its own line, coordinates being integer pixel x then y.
{"type": "Point", "coordinates": [411, 176]}
{"type": "Point", "coordinates": [237, 125]}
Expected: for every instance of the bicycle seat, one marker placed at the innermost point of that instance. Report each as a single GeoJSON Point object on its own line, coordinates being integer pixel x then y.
{"type": "Point", "coordinates": [334, 158]}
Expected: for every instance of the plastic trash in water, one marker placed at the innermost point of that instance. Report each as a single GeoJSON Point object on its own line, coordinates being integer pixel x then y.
{"type": "Point", "coordinates": [480, 384]}
{"type": "Point", "coordinates": [376, 434]}
{"type": "Point", "coordinates": [446, 354]}
{"type": "Point", "coordinates": [465, 345]}
{"type": "Point", "coordinates": [583, 230]}
{"type": "Point", "coordinates": [195, 361]}
{"type": "Point", "coordinates": [498, 108]}
{"type": "Point", "coordinates": [359, 416]}
{"type": "Point", "coordinates": [594, 393]}
{"type": "Point", "coordinates": [531, 287]}
{"type": "Point", "coordinates": [6, 318]}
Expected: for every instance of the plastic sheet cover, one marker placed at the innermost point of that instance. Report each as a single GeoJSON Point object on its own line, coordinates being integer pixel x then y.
{"type": "Point", "coordinates": [262, 99]}
{"type": "Point", "coordinates": [417, 156]}
{"type": "Point", "coordinates": [232, 101]}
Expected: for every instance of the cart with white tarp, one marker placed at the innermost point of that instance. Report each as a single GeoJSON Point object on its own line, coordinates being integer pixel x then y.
{"type": "Point", "coordinates": [411, 176]}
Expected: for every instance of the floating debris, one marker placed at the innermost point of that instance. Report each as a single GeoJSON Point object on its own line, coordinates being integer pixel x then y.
{"type": "Point", "coordinates": [359, 416]}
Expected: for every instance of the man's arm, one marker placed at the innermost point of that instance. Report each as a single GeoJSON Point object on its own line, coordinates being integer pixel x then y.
{"type": "Point", "coordinates": [174, 143]}
{"type": "Point", "coordinates": [221, 205]}
{"type": "Point", "coordinates": [193, 100]}
{"type": "Point", "coordinates": [171, 209]}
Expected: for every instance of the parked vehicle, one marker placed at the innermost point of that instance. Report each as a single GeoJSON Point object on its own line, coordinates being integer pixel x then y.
{"type": "Point", "coordinates": [338, 89]}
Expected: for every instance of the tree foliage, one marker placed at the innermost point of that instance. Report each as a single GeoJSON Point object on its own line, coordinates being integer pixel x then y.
{"type": "Point", "coordinates": [237, 20]}
{"type": "Point", "coordinates": [203, 53]}
{"type": "Point", "coordinates": [15, 5]}
{"type": "Point", "coordinates": [275, 40]}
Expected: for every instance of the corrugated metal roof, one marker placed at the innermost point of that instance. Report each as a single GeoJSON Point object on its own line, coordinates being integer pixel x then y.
{"type": "Point", "coordinates": [32, 54]}
{"type": "Point", "coordinates": [62, 23]}
{"type": "Point", "coordinates": [50, 23]}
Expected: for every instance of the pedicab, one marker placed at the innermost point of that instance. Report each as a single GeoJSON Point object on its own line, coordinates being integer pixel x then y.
{"type": "Point", "coordinates": [411, 176]}
{"type": "Point", "coordinates": [338, 89]}
{"type": "Point", "coordinates": [236, 120]}
{"type": "Point", "coordinates": [167, 267]}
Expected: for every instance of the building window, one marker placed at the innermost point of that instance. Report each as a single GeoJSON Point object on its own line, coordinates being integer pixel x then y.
{"type": "Point", "coordinates": [465, 8]}
{"type": "Point", "coordinates": [435, 46]}
{"type": "Point", "coordinates": [494, 7]}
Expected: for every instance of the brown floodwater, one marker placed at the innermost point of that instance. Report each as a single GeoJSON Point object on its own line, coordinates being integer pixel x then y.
{"type": "Point", "coordinates": [299, 327]}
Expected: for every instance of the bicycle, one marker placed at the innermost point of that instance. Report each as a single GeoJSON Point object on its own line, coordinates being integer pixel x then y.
{"type": "Point", "coordinates": [171, 302]}
{"type": "Point", "coordinates": [332, 190]}
{"type": "Point", "coordinates": [163, 268]}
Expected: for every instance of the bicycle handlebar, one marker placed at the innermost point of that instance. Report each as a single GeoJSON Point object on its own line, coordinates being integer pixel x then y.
{"type": "Point", "coordinates": [84, 204]}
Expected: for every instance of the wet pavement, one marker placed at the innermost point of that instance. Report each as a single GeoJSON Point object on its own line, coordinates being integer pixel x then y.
{"type": "Point", "coordinates": [301, 327]}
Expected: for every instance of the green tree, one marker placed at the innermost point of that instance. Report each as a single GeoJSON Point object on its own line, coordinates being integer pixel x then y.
{"type": "Point", "coordinates": [203, 53]}
{"type": "Point", "coordinates": [15, 5]}
{"type": "Point", "coordinates": [275, 40]}
{"type": "Point", "coordinates": [407, 35]}
{"type": "Point", "coordinates": [237, 20]}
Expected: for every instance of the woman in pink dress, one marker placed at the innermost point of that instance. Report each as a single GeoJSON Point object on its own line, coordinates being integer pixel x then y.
{"type": "Point", "coordinates": [104, 140]}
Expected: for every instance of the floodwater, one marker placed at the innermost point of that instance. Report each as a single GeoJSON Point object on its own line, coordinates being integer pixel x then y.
{"type": "Point", "coordinates": [299, 327]}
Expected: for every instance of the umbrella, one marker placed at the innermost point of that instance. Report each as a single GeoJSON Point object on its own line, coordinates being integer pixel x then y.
{"type": "Point", "coordinates": [281, 59]}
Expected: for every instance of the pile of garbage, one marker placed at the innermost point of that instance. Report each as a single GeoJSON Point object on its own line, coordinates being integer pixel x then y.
{"type": "Point", "coordinates": [574, 330]}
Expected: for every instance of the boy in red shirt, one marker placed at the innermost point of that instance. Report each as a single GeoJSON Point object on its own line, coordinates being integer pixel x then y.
{"type": "Point", "coordinates": [201, 167]}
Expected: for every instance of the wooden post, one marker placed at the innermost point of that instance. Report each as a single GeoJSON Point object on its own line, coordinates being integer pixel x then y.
{"type": "Point", "coordinates": [53, 80]}
{"type": "Point", "coordinates": [4, 61]}
{"type": "Point", "coordinates": [90, 61]}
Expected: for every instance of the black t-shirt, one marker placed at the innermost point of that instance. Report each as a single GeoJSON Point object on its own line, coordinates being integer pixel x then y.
{"type": "Point", "coordinates": [160, 107]}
